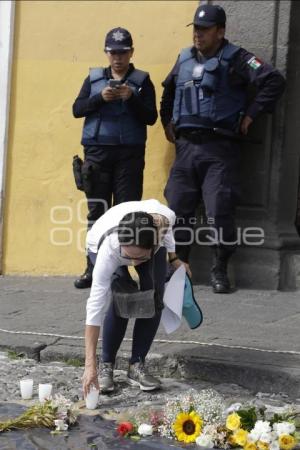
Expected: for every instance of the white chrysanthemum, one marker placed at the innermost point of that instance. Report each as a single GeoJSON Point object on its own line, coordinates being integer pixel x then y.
{"type": "Point", "coordinates": [262, 426]}
{"type": "Point", "coordinates": [266, 437]}
{"type": "Point", "coordinates": [274, 445]}
{"type": "Point", "coordinates": [254, 435]}
{"type": "Point", "coordinates": [284, 428]}
{"type": "Point", "coordinates": [145, 430]}
{"type": "Point", "coordinates": [205, 440]}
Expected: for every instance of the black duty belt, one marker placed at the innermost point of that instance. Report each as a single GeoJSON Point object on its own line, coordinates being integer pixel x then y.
{"type": "Point", "coordinates": [199, 135]}
{"type": "Point", "coordinates": [206, 134]}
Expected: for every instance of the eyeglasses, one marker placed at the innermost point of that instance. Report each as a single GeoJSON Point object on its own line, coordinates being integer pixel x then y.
{"type": "Point", "coordinates": [136, 258]}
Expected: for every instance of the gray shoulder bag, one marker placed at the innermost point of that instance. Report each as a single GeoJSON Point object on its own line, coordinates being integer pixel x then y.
{"type": "Point", "coordinates": [129, 302]}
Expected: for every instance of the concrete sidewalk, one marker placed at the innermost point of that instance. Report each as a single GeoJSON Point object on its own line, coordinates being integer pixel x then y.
{"type": "Point", "coordinates": [251, 338]}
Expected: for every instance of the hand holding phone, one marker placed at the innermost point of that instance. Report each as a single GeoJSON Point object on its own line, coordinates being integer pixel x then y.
{"type": "Point", "coordinates": [112, 83]}
{"type": "Point", "coordinates": [109, 93]}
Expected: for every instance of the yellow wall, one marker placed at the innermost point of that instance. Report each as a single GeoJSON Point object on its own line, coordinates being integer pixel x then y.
{"type": "Point", "coordinates": [55, 44]}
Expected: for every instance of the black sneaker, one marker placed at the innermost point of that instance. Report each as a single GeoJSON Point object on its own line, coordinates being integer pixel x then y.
{"type": "Point", "coordinates": [138, 376]}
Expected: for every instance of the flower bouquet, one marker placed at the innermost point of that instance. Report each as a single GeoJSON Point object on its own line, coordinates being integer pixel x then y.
{"type": "Point", "coordinates": [248, 428]}
{"type": "Point", "coordinates": [186, 417]}
{"type": "Point", "coordinates": [202, 418]}
{"type": "Point", "coordinates": [56, 413]}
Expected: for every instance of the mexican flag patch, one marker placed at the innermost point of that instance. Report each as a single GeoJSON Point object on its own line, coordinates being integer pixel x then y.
{"type": "Point", "coordinates": [254, 63]}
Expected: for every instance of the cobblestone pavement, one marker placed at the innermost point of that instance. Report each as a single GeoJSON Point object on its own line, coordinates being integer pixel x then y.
{"type": "Point", "coordinates": [66, 380]}
{"type": "Point", "coordinates": [122, 404]}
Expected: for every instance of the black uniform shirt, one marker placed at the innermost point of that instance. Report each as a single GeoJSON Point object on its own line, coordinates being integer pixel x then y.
{"type": "Point", "coordinates": [245, 70]}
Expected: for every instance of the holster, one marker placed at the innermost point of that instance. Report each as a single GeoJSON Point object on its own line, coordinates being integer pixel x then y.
{"type": "Point", "coordinates": [77, 172]}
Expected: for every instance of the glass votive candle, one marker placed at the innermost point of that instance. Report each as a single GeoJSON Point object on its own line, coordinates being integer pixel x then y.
{"type": "Point", "coordinates": [44, 392]}
{"type": "Point", "coordinates": [26, 388]}
{"type": "Point", "coordinates": [91, 400]}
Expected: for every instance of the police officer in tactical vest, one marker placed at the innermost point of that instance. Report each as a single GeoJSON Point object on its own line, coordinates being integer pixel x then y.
{"type": "Point", "coordinates": [204, 110]}
{"type": "Point", "coordinates": [118, 102]}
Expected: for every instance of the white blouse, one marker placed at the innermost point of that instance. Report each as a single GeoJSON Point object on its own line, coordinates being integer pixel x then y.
{"type": "Point", "coordinates": [109, 257]}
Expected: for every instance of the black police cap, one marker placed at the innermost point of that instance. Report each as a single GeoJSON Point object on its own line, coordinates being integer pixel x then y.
{"type": "Point", "coordinates": [118, 39]}
{"type": "Point", "coordinates": [208, 16]}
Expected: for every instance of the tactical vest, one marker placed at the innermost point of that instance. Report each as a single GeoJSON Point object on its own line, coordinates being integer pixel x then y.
{"type": "Point", "coordinates": [114, 123]}
{"type": "Point", "coordinates": [204, 97]}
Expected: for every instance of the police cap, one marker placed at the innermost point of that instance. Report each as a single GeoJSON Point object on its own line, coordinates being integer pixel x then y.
{"type": "Point", "coordinates": [118, 39]}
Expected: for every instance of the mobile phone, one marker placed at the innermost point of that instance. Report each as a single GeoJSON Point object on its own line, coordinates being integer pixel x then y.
{"type": "Point", "coordinates": [114, 83]}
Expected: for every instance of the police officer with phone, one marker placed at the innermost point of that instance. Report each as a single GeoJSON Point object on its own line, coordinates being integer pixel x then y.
{"type": "Point", "coordinates": [117, 102]}
{"type": "Point", "coordinates": [205, 112]}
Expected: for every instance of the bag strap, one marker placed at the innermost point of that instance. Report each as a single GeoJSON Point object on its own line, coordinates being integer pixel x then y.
{"type": "Point", "coordinates": [112, 230]}
{"type": "Point", "coordinates": [107, 233]}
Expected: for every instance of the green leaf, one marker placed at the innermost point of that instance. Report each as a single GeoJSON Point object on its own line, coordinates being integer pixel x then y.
{"type": "Point", "coordinates": [277, 418]}
{"type": "Point", "coordinates": [135, 438]}
{"type": "Point", "coordinates": [297, 436]}
{"type": "Point", "coordinates": [192, 408]}
{"type": "Point", "coordinates": [248, 418]}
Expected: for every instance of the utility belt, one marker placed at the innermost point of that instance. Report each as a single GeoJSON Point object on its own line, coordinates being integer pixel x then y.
{"type": "Point", "coordinates": [87, 174]}
{"type": "Point", "coordinates": [199, 135]}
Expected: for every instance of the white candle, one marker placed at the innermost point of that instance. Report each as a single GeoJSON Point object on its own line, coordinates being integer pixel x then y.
{"type": "Point", "coordinates": [91, 400]}
{"type": "Point", "coordinates": [44, 392]}
{"type": "Point", "coordinates": [26, 388]}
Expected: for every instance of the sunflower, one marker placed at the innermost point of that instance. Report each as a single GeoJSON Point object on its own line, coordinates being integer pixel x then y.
{"type": "Point", "coordinates": [187, 426]}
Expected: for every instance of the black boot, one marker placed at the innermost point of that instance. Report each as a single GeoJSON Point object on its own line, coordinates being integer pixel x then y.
{"type": "Point", "coordinates": [219, 278]}
{"type": "Point", "coordinates": [85, 281]}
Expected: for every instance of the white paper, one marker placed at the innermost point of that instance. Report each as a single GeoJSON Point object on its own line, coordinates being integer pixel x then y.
{"type": "Point", "coordinates": [173, 300]}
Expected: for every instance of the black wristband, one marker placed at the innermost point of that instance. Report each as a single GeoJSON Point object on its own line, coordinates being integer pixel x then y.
{"type": "Point", "coordinates": [173, 259]}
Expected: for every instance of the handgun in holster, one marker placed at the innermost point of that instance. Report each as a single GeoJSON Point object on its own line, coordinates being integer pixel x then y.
{"type": "Point", "coordinates": [77, 172]}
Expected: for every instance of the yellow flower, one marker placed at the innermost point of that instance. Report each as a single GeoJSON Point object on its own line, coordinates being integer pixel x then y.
{"type": "Point", "coordinates": [287, 442]}
{"type": "Point", "coordinates": [250, 446]}
{"type": "Point", "coordinates": [233, 422]}
{"type": "Point", "coordinates": [240, 437]}
{"type": "Point", "coordinates": [262, 445]}
{"type": "Point", "coordinates": [187, 426]}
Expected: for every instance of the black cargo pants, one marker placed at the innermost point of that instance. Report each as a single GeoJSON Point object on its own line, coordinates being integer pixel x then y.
{"type": "Point", "coordinates": [115, 176]}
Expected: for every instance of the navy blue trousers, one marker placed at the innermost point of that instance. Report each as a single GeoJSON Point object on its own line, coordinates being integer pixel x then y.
{"type": "Point", "coordinates": [144, 330]}
{"type": "Point", "coordinates": [206, 170]}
